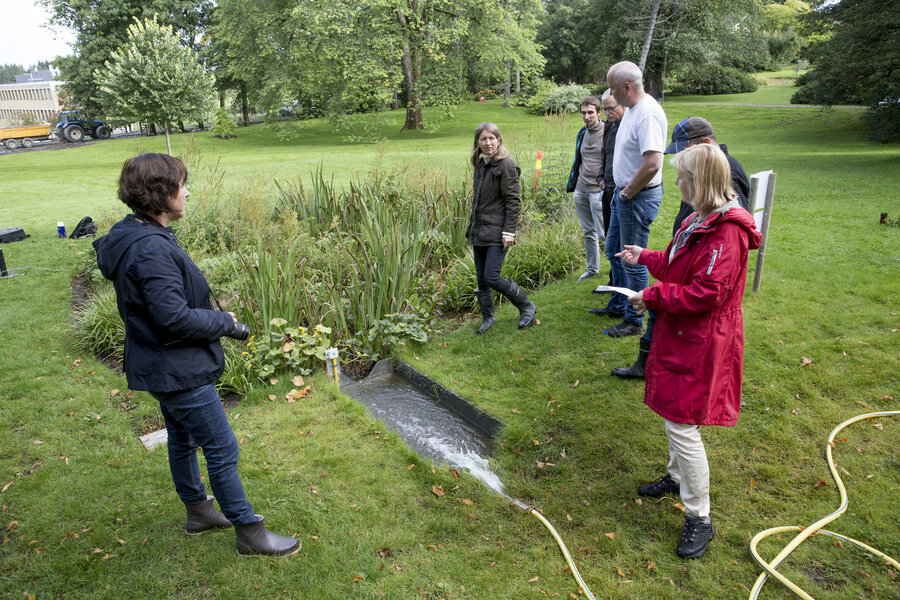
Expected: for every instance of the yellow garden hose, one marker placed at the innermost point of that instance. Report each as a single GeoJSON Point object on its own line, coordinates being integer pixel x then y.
{"type": "Point", "coordinates": [815, 527]}
{"type": "Point", "coordinates": [562, 546]}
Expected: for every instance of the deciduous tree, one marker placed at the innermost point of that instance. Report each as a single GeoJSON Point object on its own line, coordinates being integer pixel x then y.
{"type": "Point", "coordinates": [154, 78]}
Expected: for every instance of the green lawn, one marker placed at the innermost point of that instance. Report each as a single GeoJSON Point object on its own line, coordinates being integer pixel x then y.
{"type": "Point", "coordinates": [88, 513]}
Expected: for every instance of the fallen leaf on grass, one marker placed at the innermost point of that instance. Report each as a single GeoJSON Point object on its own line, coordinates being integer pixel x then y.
{"type": "Point", "coordinates": [467, 502]}
{"type": "Point", "coordinates": [358, 578]}
{"type": "Point", "coordinates": [651, 565]}
{"type": "Point", "coordinates": [569, 517]}
{"type": "Point", "coordinates": [611, 535]}
{"type": "Point", "coordinates": [113, 393]}
{"type": "Point", "coordinates": [805, 361]}
{"type": "Point", "coordinates": [679, 506]}
{"type": "Point", "coordinates": [298, 381]}
{"type": "Point", "coordinates": [437, 490]}
{"type": "Point", "coordinates": [37, 442]}
{"type": "Point", "coordinates": [515, 411]}
{"type": "Point", "coordinates": [410, 467]}
{"type": "Point", "coordinates": [575, 385]}
{"type": "Point", "coordinates": [886, 397]}
{"type": "Point", "coordinates": [97, 551]}
{"type": "Point", "coordinates": [878, 426]}
{"type": "Point", "coordinates": [639, 502]}
{"type": "Point", "coordinates": [821, 483]}
{"type": "Point", "coordinates": [585, 502]}
{"type": "Point", "coordinates": [620, 572]}
{"type": "Point", "coordinates": [107, 556]}
{"type": "Point", "coordinates": [273, 397]}
{"type": "Point", "coordinates": [273, 381]}
{"type": "Point", "coordinates": [892, 573]}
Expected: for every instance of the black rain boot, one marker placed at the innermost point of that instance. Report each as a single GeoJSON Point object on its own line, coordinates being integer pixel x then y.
{"type": "Point", "coordinates": [203, 516]}
{"type": "Point", "coordinates": [486, 302]}
{"type": "Point", "coordinates": [255, 539]}
{"type": "Point", "coordinates": [527, 309]}
{"type": "Point", "coordinates": [635, 371]}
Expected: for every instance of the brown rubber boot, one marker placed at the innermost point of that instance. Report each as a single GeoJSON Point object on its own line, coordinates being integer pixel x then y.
{"type": "Point", "coordinates": [255, 540]}
{"type": "Point", "coordinates": [203, 516]}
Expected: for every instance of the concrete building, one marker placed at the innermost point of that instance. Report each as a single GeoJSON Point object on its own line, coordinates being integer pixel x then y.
{"type": "Point", "coordinates": [34, 96]}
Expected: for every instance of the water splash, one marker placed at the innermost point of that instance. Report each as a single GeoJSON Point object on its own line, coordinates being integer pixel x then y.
{"type": "Point", "coordinates": [429, 427]}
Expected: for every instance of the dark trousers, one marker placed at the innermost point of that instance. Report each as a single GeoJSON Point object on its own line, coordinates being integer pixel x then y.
{"type": "Point", "coordinates": [196, 418]}
{"type": "Point", "coordinates": [606, 201]}
{"type": "Point", "coordinates": [488, 261]}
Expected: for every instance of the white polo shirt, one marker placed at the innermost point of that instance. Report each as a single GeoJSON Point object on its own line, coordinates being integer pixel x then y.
{"type": "Point", "coordinates": [642, 129]}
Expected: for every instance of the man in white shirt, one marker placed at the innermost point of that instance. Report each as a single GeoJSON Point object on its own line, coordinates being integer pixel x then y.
{"type": "Point", "coordinates": [637, 171]}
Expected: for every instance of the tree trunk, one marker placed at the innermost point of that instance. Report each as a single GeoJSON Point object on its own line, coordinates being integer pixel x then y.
{"type": "Point", "coordinates": [653, 82]}
{"type": "Point", "coordinates": [518, 82]}
{"type": "Point", "coordinates": [168, 141]}
{"type": "Point", "coordinates": [654, 12]}
{"type": "Point", "coordinates": [411, 62]}
{"type": "Point", "coordinates": [182, 127]}
{"type": "Point", "coordinates": [245, 105]}
{"type": "Point", "coordinates": [507, 84]}
{"type": "Point", "coordinates": [395, 101]}
{"type": "Point", "coordinates": [222, 99]}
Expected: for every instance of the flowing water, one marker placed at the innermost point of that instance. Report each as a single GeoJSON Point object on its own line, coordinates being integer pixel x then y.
{"type": "Point", "coordinates": [428, 426]}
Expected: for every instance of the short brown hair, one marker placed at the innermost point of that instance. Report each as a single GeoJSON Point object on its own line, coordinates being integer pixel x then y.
{"type": "Point", "coordinates": [592, 101]}
{"type": "Point", "coordinates": [707, 167]}
{"type": "Point", "coordinates": [149, 181]}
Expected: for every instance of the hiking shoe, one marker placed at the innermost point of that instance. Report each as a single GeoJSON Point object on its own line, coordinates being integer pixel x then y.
{"type": "Point", "coordinates": [587, 275]}
{"type": "Point", "coordinates": [624, 329]}
{"type": "Point", "coordinates": [659, 488]}
{"type": "Point", "coordinates": [606, 312]}
{"type": "Point", "coordinates": [696, 537]}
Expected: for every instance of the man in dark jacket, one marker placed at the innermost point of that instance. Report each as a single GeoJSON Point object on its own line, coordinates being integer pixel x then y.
{"type": "Point", "coordinates": [584, 182]}
{"type": "Point", "coordinates": [697, 130]}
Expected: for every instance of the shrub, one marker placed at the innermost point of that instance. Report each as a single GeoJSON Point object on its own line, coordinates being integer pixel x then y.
{"type": "Point", "coordinates": [535, 100]}
{"type": "Point", "coordinates": [565, 98]}
{"type": "Point", "coordinates": [713, 78]}
{"type": "Point", "coordinates": [224, 127]}
{"type": "Point", "coordinates": [98, 328]}
{"type": "Point", "coordinates": [884, 120]}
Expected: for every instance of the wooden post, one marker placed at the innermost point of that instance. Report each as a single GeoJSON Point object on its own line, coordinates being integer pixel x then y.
{"type": "Point", "coordinates": [764, 226]}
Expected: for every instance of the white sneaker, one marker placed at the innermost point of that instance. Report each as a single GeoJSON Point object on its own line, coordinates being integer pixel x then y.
{"type": "Point", "coordinates": [587, 275]}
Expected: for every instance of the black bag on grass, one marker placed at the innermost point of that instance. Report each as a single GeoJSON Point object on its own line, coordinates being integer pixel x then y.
{"type": "Point", "coordinates": [85, 228]}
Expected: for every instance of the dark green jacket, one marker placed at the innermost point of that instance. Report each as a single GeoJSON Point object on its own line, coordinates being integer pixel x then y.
{"type": "Point", "coordinates": [495, 202]}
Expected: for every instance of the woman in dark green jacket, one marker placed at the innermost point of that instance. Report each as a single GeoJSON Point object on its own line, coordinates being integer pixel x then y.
{"type": "Point", "coordinates": [492, 224]}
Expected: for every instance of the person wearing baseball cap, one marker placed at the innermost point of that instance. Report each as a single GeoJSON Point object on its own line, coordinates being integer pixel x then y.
{"type": "Point", "coordinates": [697, 130]}
{"type": "Point", "coordinates": [687, 133]}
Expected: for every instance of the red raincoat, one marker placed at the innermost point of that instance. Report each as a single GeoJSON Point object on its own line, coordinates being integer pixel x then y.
{"type": "Point", "coordinates": [694, 370]}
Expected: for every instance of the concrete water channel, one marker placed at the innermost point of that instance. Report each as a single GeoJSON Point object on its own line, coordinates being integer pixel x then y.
{"type": "Point", "coordinates": [433, 420]}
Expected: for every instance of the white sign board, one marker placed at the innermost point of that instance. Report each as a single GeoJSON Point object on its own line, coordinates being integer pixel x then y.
{"type": "Point", "coordinates": [762, 194]}
{"type": "Point", "coordinates": [758, 200]}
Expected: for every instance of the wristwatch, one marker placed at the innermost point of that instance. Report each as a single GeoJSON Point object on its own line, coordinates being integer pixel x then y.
{"type": "Point", "coordinates": [623, 195]}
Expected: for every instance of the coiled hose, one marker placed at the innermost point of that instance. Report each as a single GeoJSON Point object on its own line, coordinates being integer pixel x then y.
{"type": "Point", "coordinates": [815, 527]}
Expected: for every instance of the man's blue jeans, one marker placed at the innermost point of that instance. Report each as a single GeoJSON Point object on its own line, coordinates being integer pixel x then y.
{"type": "Point", "coordinates": [589, 208]}
{"type": "Point", "coordinates": [630, 225]}
{"type": "Point", "coordinates": [195, 418]}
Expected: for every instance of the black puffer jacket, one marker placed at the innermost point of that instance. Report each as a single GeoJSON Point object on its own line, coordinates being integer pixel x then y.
{"type": "Point", "coordinates": [171, 330]}
{"type": "Point", "coordinates": [495, 202]}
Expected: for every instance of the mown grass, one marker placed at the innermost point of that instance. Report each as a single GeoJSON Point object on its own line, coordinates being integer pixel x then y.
{"type": "Point", "coordinates": [370, 525]}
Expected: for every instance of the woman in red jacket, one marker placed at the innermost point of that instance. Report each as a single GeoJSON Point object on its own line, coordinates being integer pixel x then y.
{"type": "Point", "coordinates": [696, 358]}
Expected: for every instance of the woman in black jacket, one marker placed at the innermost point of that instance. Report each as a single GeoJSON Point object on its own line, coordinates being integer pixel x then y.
{"type": "Point", "coordinates": [492, 224]}
{"type": "Point", "coordinates": [172, 348]}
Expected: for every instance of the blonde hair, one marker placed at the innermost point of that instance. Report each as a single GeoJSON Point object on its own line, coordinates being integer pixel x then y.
{"type": "Point", "coordinates": [708, 169]}
{"type": "Point", "coordinates": [501, 152]}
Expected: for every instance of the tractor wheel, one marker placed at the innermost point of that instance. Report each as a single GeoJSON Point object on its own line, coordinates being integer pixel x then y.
{"type": "Point", "coordinates": [27, 143]}
{"type": "Point", "coordinates": [102, 132]}
{"type": "Point", "coordinates": [12, 144]}
{"type": "Point", "coordinates": [74, 133]}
